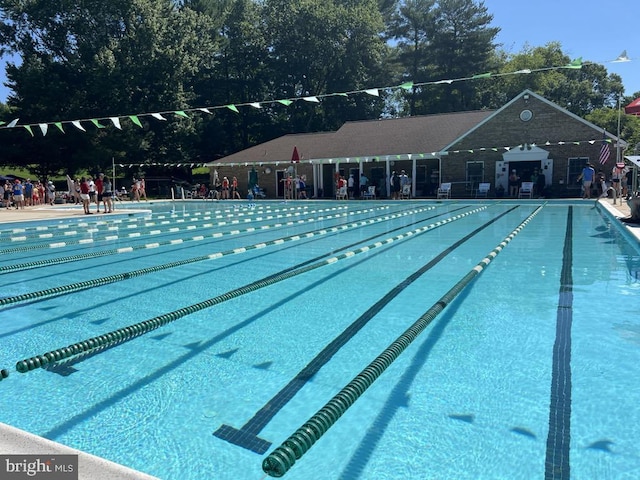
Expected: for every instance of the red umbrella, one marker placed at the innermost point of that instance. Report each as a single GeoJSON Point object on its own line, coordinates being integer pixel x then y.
{"type": "Point", "coordinates": [295, 158]}
{"type": "Point", "coordinates": [633, 108]}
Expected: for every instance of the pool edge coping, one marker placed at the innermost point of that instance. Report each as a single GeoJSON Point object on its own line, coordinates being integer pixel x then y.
{"type": "Point", "coordinates": [14, 441]}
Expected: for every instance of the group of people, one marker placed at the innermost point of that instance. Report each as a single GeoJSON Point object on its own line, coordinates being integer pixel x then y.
{"type": "Point", "coordinates": [20, 195]}
{"type": "Point", "coordinates": [537, 178]}
{"type": "Point", "coordinates": [618, 186]}
{"type": "Point", "coordinates": [295, 187]}
{"type": "Point", "coordinates": [87, 191]}
{"type": "Point", "coordinates": [397, 183]}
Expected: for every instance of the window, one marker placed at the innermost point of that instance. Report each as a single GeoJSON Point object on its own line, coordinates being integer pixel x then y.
{"type": "Point", "coordinates": [475, 174]}
{"type": "Point", "coordinates": [574, 169]}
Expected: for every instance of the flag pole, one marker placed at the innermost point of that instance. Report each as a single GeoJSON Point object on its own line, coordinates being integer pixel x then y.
{"type": "Point", "coordinates": [114, 190]}
{"type": "Point", "coordinates": [618, 134]}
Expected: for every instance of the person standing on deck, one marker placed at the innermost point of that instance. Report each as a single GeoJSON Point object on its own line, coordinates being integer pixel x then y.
{"type": "Point", "coordinates": [587, 176]}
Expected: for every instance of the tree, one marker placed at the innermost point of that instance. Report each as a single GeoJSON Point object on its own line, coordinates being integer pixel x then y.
{"type": "Point", "coordinates": [444, 40]}
{"type": "Point", "coordinates": [95, 59]}
{"type": "Point", "coordinates": [318, 47]}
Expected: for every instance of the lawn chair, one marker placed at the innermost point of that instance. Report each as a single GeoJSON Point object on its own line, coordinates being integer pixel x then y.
{"type": "Point", "coordinates": [444, 191]}
{"type": "Point", "coordinates": [483, 190]}
{"type": "Point", "coordinates": [370, 193]}
{"type": "Point", "coordinates": [405, 192]}
{"type": "Point", "coordinates": [526, 190]}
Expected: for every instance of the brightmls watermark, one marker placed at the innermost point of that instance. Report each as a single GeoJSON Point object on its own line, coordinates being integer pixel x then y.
{"type": "Point", "coordinates": [39, 467]}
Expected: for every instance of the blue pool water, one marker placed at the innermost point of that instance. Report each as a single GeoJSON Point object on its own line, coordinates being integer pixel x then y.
{"type": "Point", "coordinates": [529, 372]}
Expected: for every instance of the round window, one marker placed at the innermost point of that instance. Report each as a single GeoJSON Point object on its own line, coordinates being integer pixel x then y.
{"type": "Point", "coordinates": [526, 115]}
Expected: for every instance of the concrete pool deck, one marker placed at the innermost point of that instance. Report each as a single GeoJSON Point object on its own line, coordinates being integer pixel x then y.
{"type": "Point", "coordinates": [90, 467]}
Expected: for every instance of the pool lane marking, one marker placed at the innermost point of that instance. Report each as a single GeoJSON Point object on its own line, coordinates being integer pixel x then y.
{"type": "Point", "coordinates": [147, 215]}
{"type": "Point", "coordinates": [83, 256]}
{"type": "Point", "coordinates": [87, 284]}
{"type": "Point", "coordinates": [124, 334]}
{"type": "Point", "coordinates": [147, 225]}
{"type": "Point", "coordinates": [557, 465]}
{"type": "Point", "coordinates": [72, 258]}
{"type": "Point", "coordinates": [247, 435]}
{"type": "Point", "coordinates": [278, 462]}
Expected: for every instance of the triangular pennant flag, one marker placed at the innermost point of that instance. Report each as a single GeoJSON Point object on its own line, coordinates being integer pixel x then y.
{"type": "Point", "coordinates": [181, 113]}
{"type": "Point", "coordinates": [136, 120]}
{"type": "Point", "coordinates": [13, 123]}
{"type": "Point", "coordinates": [28, 129]}
{"type": "Point", "coordinates": [78, 125]}
{"type": "Point", "coordinates": [525, 70]}
{"type": "Point", "coordinates": [311, 99]}
{"type": "Point", "coordinates": [233, 108]}
{"type": "Point", "coordinates": [44, 127]}
{"type": "Point", "coordinates": [116, 122]}
{"type": "Point", "coordinates": [482, 75]}
{"type": "Point", "coordinates": [286, 103]}
{"type": "Point", "coordinates": [622, 57]}
{"type": "Point", "coordinates": [2, 123]}
{"type": "Point", "coordinates": [577, 63]}
{"type": "Point", "coordinates": [59, 125]}
{"type": "Point", "coordinates": [407, 85]}
{"type": "Point", "coordinates": [255, 105]}
{"type": "Point", "coordinates": [158, 116]}
{"type": "Point", "coordinates": [443, 81]}
{"type": "Point", "coordinates": [342, 94]}
{"type": "Point", "coordinates": [96, 123]}
{"type": "Point", "coordinates": [373, 91]}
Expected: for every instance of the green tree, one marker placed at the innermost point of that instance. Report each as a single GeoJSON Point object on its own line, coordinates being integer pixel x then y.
{"type": "Point", "coordinates": [444, 40]}
{"type": "Point", "coordinates": [94, 59]}
{"type": "Point", "coordinates": [579, 90]}
{"type": "Point", "coordinates": [319, 47]}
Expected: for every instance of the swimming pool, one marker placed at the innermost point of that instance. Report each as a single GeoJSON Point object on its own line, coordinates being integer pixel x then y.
{"type": "Point", "coordinates": [249, 320]}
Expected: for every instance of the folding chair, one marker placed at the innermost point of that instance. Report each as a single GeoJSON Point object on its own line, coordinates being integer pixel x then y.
{"type": "Point", "coordinates": [526, 190]}
{"type": "Point", "coordinates": [370, 194]}
{"type": "Point", "coordinates": [483, 190]}
{"type": "Point", "coordinates": [405, 192]}
{"type": "Point", "coordinates": [341, 193]}
{"type": "Point", "coordinates": [444, 191]}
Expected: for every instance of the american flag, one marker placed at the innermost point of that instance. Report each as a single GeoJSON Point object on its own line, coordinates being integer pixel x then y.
{"type": "Point", "coordinates": [605, 151]}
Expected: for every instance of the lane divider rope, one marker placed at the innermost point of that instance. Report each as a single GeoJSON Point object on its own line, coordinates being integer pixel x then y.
{"type": "Point", "coordinates": [87, 284]}
{"type": "Point", "coordinates": [123, 334]}
{"type": "Point", "coordinates": [278, 462]}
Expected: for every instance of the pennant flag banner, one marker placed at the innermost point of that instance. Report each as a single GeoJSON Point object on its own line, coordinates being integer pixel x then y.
{"type": "Point", "coordinates": [135, 118]}
{"type": "Point", "coordinates": [78, 125]}
{"type": "Point", "coordinates": [43, 128]}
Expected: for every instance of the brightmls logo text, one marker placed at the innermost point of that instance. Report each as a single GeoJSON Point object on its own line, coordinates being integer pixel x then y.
{"type": "Point", "coordinates": [39, 467]}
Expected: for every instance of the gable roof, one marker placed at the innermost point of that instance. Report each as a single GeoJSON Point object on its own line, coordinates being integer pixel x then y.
{"type": "Point", "coordinates": [541, 99]}
{"type": "Point", "coordinates": [365, 139]}
{"type": "Point", "coordinates": [431, 135]}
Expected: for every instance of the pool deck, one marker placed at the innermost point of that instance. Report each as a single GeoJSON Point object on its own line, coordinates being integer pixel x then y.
{"type": "Point", "coordinates": [15, 441]}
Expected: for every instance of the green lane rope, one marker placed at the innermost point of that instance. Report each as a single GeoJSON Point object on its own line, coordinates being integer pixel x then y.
{"type": "Point", "coordinates": [87, 284]}
{"type": "Point", "coordinates": [124, 334]}
{"type": "Point", "coordinates": [61, 244]}
{"type": "Point", "coordinates": [278, 462]}
{"type": "Point", "coordinates": [83, 256]}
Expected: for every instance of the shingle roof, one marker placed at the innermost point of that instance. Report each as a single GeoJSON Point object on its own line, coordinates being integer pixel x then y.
{"type": "Point", "coordinates": [370, 138]}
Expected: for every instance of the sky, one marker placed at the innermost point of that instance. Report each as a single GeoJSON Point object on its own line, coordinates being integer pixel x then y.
{"type": "Point", "coordinates": [596, 30]}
